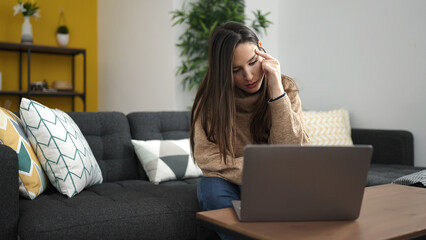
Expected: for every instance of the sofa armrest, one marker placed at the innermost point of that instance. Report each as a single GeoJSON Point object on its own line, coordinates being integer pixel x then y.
{"type": "Point", "coordinates": [9, 197]}
{"type": "Point", "coordinates": [390, 146]}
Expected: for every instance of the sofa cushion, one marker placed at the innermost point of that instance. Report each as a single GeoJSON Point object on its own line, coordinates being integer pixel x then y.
{"type": "Point", "coordinates": [131, 209]}
{"type": "Point", "coordinates": [386, 173]}
{"type": "Point", "coordinates": [165, 160]}
{"type": "Point", "coordinates": [108, 135]}
{"type": "Point", "coordinates": [64, 153]}
{"type": "Point", "coordinates": [328, 127]}
{"type": "Point", "coordinates": [32, 180]}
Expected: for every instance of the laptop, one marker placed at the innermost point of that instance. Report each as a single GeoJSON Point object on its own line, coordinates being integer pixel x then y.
{"type": "Point", "coordinates": [303, 183]}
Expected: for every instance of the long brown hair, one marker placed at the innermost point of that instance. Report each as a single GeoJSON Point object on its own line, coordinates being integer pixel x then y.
{"type": "Point", "coordinates": [214, 103]}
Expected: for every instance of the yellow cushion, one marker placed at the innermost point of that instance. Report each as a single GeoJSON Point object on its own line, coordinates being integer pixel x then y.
{"type": "Point", "coordinates": [32, 180]}
{"type": "Point", "coordinates": [328, 127]}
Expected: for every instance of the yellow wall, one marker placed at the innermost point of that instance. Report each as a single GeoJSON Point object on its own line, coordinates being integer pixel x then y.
{"type": "Point", "coordinates": [81, 19]}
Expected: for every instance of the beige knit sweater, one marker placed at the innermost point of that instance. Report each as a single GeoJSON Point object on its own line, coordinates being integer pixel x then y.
{"type": "Point", "coordinates": [287, 128]}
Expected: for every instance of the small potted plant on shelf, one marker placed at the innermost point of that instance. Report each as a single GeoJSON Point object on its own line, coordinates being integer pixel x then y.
{"type": "Point", "coordinates": [62, 35]}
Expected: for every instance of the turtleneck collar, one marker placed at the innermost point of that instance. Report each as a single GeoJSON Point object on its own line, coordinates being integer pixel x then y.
{"type": "Point", "coordinates": [244, 101]}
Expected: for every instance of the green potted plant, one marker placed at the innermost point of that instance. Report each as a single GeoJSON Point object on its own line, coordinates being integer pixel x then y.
{"type": "Point", "coordinates": [62, 35]}
{"type": "Point", "coordinates": [200, 20]}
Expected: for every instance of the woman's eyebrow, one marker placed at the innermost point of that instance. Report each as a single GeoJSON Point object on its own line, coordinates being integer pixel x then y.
{"type": "Point", "coordinates": [251, 59]}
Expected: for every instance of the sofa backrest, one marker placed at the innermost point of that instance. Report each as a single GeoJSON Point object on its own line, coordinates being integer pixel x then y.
{"type": "Point", "coordinates": [389, 146]}
{"type": "Point", "coordinates": [108, 135]}
{"type": "Point", "coordinates": [159, 125]}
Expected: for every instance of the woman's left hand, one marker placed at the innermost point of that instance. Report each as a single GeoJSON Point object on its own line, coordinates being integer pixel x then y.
{"type": "Point", "coordinates": [271, 68]}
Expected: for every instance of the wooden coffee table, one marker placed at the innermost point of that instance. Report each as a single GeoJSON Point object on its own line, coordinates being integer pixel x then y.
{"type": "Point", "coordinates": [388, 212]}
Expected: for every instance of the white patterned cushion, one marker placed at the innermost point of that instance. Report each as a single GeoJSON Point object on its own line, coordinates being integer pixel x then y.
{"type": "Point", "coordinates": [412, 179]}
{"type": "Point", "coordinates": [165, 160]}
{"type": "Point", "coordinates": [32, 180]}
{"type": "Point", "coordinates": [328, 127]}
{"type": "Point", "coordinates": [64, 153]}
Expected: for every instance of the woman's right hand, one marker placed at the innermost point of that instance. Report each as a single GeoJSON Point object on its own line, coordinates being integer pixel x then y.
{"type": "Point", "coordinates": [271, 68]}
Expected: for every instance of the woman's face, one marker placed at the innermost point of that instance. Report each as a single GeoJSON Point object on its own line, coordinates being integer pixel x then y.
{"type": "Point", "coordinates": [247, 68]}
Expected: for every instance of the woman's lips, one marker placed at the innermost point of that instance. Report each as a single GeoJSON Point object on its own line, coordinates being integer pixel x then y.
{"type": "Point", "coordinates": [252, 85]}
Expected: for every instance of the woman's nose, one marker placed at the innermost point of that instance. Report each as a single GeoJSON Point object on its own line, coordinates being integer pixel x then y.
{"type": "Point", "coordinates": [248, 75]}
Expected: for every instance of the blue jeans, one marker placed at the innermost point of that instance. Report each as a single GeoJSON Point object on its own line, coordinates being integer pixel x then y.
{"type": "Point", "coordinates": [216, 193]}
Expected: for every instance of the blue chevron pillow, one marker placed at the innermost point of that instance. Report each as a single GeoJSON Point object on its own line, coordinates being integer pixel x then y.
{"type": "Point", "coordinates": [61, 148]}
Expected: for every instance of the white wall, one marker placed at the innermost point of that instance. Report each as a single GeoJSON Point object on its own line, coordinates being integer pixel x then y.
{"type": "Point", "coordinates": [366, 56]}
{"type": "Point", "coordinates": [136, 55]}
{"type": "Point", "coordinates": [183, 98]}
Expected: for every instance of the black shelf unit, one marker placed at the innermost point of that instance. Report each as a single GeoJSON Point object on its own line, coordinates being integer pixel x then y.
{"type": "Point", "coordinates": [40, 49]}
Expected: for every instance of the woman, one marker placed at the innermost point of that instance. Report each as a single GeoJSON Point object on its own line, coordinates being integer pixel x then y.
{"type": "Point", "coordinates": [242, 100]}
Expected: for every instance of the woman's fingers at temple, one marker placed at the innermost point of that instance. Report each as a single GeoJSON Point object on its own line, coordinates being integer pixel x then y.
{"type": "Point", "coordinates": [273, 63]}
{"type": "Point", "coordinates": [263, 54]}
{"type": "Point", "coordinates": [271, 68]}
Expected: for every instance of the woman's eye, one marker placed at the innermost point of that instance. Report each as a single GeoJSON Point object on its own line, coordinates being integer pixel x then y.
{"type": "Point", "coordinates": [252, 63]}
{"type": "Point", "coordinates": [235, 70]}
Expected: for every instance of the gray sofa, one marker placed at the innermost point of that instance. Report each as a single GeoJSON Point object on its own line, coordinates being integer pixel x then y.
{"type": "Point", "coordinates": [126, 205]}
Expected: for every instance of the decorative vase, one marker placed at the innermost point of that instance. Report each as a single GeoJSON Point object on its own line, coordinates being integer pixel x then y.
{"type": "Point", "coordinates": [63, 39]}
{"type": "Point", "coordinates": [27, 31]}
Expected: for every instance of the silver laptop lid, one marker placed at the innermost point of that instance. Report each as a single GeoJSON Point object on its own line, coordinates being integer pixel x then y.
{"type": "Point", "coordinates": [303, 183]}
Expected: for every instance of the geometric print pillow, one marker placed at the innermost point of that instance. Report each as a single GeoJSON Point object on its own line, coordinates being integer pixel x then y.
{"type": "Point", "coordinates": [61, 148]}
{"type": "Point", "coordinates": [328, 127]}
{"type": "Point", "coordinates": [32, 180]}
{"type": "Point", "coordinates": [165, 160]}
{"type": "Point", "coordinates": [417, 178]}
